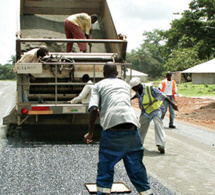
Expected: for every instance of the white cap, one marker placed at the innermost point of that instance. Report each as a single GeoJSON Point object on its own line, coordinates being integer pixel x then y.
{"type": "Point", "coordinates": [134, 82]}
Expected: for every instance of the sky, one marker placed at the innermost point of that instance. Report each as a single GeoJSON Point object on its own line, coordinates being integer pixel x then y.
{"type": "Point", "coordinates": [131, 18]}
{"type": "Point", "coordinates": [136, 16]}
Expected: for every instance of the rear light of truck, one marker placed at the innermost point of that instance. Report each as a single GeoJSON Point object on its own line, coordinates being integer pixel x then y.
{"type": "Point", "coordinates": [40, 108]}
{"type": "Point", "coordinates": [24, 111]}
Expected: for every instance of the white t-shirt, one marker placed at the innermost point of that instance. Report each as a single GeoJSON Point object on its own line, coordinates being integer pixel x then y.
{"type": "Point", "coordinates": [168, 87]}
{"type": "Point", "coordinates": [30, 57]}
{"type": "Point", "coordinates": [85, 94]}
{"type": "Point", "coordinates": [112, 97]}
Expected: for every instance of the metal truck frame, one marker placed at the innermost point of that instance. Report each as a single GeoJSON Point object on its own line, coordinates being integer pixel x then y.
{"type": "Point", "coordinates": [58, 77]}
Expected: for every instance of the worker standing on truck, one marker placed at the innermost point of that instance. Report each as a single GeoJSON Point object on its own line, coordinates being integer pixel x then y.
{"type": "Point", "coordinates": [84, 96]}
{"type": "Point", "coordinates": [120, 137]}
{"type": "Point", "coordinates": [32, 56]}
{"type": "Point", "coordinates": [78, 26]}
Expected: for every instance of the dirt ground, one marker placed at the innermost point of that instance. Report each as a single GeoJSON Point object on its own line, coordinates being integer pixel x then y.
{"type": "Point", "coordinates": [196, 111]}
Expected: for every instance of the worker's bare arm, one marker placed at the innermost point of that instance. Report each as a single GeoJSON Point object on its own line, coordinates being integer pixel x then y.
{"type": "Point", "coordinates": [175, 107]}
{"type": "Point", "coordinates": [92, 120]}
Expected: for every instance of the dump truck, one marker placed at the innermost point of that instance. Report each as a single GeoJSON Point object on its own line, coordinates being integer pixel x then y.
{"type": "Point", "coordinates": [57, 78]}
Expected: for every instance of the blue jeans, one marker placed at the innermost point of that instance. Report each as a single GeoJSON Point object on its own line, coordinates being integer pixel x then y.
{"type": "Point", "coordinates": [171, 110]}
{"type": "Point", "coordinates": [115, 146]}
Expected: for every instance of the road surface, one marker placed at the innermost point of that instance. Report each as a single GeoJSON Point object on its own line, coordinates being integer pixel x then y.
{"type": "Point", "coordinates": [31, 165]}
{"type": "Point", "coordinates": [188, 165]}
{"type": "Point", "coordinates": [7, 94]}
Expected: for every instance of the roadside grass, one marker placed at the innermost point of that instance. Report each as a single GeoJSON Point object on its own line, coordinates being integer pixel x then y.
{"type": "Point", "coordinates": [190, 90]}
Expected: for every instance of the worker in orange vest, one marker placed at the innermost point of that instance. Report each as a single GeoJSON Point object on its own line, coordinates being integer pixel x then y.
{"type": "Point", "coordinates": [168, 86]}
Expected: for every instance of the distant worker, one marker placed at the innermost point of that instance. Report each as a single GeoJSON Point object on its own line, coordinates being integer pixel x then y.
{"type": "Point", "coordinates": [32, 56]}
{"type": "Point", "coordinates": [150, 102]}
{"type": "Point", "coordinates": [168, 86]}
{"type": "Point", "coordinates": [79, 26]}
{"type": "Point", "coordinates": [121, 36]}
{"type": "Point", "coordinates": [84, 96]}
{"type": "Point", "coordinates": [120, 137]}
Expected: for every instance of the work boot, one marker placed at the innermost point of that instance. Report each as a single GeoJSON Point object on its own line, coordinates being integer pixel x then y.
{"type": "Point", "coordinates": [172, 126]}
{"type": "Point", "coordinates": [161, 149]}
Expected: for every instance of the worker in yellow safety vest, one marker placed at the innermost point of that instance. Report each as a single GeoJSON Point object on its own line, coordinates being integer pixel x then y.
{"type": "Point", "coordinates": [168, 87]}
{"type": "Point", "coordinates": [150, 103]}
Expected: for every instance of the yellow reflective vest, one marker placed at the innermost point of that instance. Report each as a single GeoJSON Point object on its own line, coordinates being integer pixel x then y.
{"type": "Point", "coordinates": [150, 103]}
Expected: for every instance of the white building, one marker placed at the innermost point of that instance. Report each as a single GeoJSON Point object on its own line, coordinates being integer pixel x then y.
{"type": "Point", "coordinates": [143, 77]}
{"type": "Point", "coordinates": [203, 73]}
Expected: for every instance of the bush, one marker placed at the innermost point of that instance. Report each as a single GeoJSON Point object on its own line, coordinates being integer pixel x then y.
{"type": "Point", "coordinates": [6, 72]}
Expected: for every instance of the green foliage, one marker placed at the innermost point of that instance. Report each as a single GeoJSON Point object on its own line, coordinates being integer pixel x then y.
{"type": "Point", "coordinates": [182, 59]}
{"type": "Point", "coordinates": [189, 41]}
{"type": "Point", "coordinates": [149, 57]}
{"type": "Point", "coordinates": [189, 89]}
{"type": "Point", "coordinates": [6, 72]}
{"type": "Point", "coordinates": [12, 60]}
{"type": "Point", "coordinates": [200, 91]}
{"type": "Point", "coordinates": [195, 29]}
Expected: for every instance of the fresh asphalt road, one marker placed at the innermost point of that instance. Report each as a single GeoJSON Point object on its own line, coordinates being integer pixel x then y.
{"type": "Point", "coordinates": [188, 164]}
{"type": "Point", "coordinates": [30, 165]}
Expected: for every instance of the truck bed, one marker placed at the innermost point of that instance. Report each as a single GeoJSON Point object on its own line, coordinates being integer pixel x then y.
{"type": "Point", "coordinates": [52, 27]}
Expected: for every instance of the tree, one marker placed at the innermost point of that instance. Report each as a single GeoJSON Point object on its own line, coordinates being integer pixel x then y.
{"type": "Point", "coordinates": [12, 60]}
{"type": "Point", "coordinates": [149, 57]}
{"type": "Point", "coordinates": [195, 29]}
{"type": "Point", "coordinates": [6, 71]}
{"type": "Point", "coordinates": [189, 41]}
{"type": "Point", "coordinates": [182, 59]}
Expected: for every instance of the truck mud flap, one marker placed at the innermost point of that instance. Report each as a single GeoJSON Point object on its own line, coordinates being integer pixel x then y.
{"type": "Point", "coordinates": [11, 118]}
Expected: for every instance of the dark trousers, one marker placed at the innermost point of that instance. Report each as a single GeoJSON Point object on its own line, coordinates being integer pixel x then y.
{"type": "Point", "coordinates": [74, 32]}
{"type": "Point", "coordinates": [121, 145]}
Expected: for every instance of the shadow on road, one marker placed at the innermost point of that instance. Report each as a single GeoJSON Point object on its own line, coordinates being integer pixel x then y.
{"type": "Point", "coordinates": [38, 136]}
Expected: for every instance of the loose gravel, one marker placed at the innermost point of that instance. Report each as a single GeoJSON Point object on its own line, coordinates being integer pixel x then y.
{"type": "Point", "coordinates": [45, 167]}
